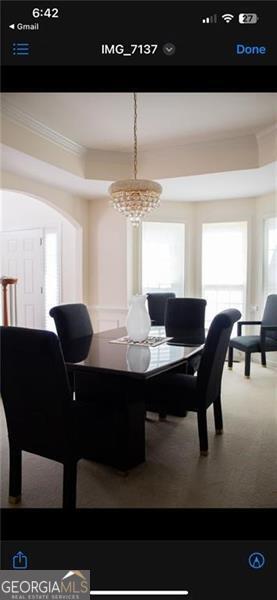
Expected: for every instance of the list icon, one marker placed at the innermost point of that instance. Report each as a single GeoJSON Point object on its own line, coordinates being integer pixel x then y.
{"type": "Point", "coordinates": [21, 49]}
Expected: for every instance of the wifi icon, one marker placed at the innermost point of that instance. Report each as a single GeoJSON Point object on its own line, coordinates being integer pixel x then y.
{"type": "Point", "coordinates": [227, 17]}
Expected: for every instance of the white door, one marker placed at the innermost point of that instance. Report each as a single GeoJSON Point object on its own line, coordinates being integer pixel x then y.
{"type": "Point", "coordinates": [22, 257]}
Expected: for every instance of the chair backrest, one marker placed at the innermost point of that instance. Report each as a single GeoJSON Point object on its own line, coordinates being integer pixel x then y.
{"type": "Point", "coordinates": [185, 320]}
{"type": "Point", "coordinates": [78, 350]}
{"type": "Point", "coordinates": [157, 304]}
{"type": "Point", "coordinates": [214, 354]}
{"type": "Point", "coordinates": [270, 315]}
{"type": "Point", "coordinates": [72, 322]}
{"type": "Point", "coordinates": [35, 390]}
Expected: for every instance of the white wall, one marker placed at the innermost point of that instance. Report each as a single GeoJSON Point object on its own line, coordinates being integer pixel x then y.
{"type": "Point", "coordinates": [19, 211]}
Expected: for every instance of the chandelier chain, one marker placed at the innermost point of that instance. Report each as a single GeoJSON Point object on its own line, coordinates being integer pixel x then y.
{"type": "Point", "coordinates": [135, 136]}
{"type": "Point", "coordinates": [135, 198]}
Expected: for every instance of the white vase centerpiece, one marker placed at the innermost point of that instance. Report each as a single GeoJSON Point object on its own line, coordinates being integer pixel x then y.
{"type": "Point", "coordinates": [138, 320]}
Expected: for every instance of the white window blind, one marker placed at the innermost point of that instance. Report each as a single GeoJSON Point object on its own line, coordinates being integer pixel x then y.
{"type": "Point", "coordinates": [163, 257]}
{"type": "Point", "coordinates": [51, 275]}
{"type": "Point", "coordinates": [270, 256]}
{"type": "Point", "coordinates": [224, 267]}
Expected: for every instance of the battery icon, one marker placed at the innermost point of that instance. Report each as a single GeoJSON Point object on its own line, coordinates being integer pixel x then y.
{"type": "Point", "coordinates": [248, 18]}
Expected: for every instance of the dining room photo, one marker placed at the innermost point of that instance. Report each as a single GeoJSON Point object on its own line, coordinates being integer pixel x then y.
{"type": "Point", "coordinates": [138, 301]}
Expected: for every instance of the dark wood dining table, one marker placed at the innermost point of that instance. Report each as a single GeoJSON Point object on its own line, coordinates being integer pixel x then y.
{"type": "Point", "coordinates": [112, 378]}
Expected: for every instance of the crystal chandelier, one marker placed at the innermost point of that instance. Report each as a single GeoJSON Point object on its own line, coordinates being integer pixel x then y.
{"type": "Point", "coordinates": [134, 198]}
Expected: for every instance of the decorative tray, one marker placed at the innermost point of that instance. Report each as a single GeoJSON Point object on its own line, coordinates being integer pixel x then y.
{"type": "Point", "coordinates": [150, 342]}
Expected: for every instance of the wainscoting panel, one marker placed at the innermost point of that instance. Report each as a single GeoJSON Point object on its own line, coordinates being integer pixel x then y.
{"type": "Point", "coordinates": [107, 317]}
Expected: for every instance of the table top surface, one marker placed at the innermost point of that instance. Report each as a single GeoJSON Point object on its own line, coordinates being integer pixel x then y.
{"type": "Point", "coordinates": [98, 354]}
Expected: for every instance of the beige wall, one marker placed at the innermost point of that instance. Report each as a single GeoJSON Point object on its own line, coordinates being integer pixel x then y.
{"type": "Point", "coordinates": [197, 158]}
{"type": "Point", "coordinates": [110, 247]}
{"type": "Point", "coordinates": [265, 207]}
{"type": "Point", "coordinates": [183, 160]}
{"type": "Point", "coordinates": [194, 214]}
{"type": "Point", "coordinates": [33, 144]}
{"type": "Point", "coordinates": [108, 266]}
{"type": "Point", "coordinates": [115, 251]}
{"type": "Point", "coordinates": [267, 145]}
{"type": "Point", "coordinates": [71, 207]}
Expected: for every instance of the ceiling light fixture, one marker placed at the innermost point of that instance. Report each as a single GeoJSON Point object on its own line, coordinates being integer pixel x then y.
{"type": "Point", "coordinates": [134, 198]}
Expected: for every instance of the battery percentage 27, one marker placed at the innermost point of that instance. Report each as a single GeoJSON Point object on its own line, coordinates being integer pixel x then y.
{"type": "Point", "coordinates": [248, 18]}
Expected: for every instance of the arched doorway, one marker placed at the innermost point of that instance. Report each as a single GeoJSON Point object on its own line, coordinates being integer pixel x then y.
{"type": "Point", "coordinates": [42, 248]}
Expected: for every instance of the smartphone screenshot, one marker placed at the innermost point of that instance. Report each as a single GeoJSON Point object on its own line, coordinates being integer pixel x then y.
{"type": "Point", "coordinates": [138, 300]}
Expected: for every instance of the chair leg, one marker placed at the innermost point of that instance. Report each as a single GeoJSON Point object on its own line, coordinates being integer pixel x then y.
{"type": "Point", "coordinates": [247, 364]}
{"type": "Point", "coordinates": [69, 484]}
{"type": "Point", "coordinates": [15, 481]}
{"type": "Point", "coordinates": [263, 359]}
{"type": "Point", "coordinates": [203, 432]}
{"type": "Point", "coordinates": [230, 357]}
{"type": "Point", "coordinates": [218, 420]}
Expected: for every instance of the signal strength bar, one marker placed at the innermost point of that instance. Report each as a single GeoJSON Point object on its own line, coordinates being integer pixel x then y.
{"type": "Point", "coordinates": [211, 19]}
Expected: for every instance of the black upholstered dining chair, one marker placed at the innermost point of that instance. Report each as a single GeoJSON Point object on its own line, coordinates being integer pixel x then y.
{"type": "Point", "coordinates": [185, 320]}
{"type": "Point", "coordinates": [75, 331]}
{"type": "Point", "coordinates": [41, 417]}
{"type": "Point", "coordinates": [72, 323]}
{"type": "Point", "coordinates": [174, 392]}
{"type": "Point", "coordinates": [157, 305]}
{"type": "Point", "coordinates": [266, 341]}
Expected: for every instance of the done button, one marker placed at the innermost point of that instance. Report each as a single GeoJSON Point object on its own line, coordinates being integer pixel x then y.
{"type": "Point", "coordinates": [254, 50]}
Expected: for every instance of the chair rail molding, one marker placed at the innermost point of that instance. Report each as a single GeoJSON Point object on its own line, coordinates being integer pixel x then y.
{"type": "Point", "coordinates": [105, 308]}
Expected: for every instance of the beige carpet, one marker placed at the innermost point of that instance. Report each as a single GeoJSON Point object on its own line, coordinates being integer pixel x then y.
{"type": "Point", "coordinates": [240, 471]}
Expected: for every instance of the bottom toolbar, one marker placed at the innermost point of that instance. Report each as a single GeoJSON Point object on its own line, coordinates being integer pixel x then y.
{"type": "Point", "coordinates": [195, 569]}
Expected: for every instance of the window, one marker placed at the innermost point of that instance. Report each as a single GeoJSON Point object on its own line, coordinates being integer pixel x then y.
{"type": "Point", "coordinates": [163, 256]}
{"type": "Point", "coordinates": [51, 275]}
{"type": "Point", "coordinates": [224, 267]}
{"type": "Point", "coordinates": [270, 256]}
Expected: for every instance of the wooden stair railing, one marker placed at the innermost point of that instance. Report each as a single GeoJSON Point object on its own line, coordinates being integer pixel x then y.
{"type": "Point", "coordinates": [5, 283]}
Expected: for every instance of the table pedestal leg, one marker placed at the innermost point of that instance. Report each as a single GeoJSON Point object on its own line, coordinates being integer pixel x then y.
{"type": "Point", "coordinates": [115, 427]}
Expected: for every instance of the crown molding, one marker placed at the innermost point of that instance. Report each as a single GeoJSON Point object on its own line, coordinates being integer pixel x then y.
{"type": "Point", "coordinates": [266, 131]}
{"type": "Point", "coordinates": [18, 116]}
